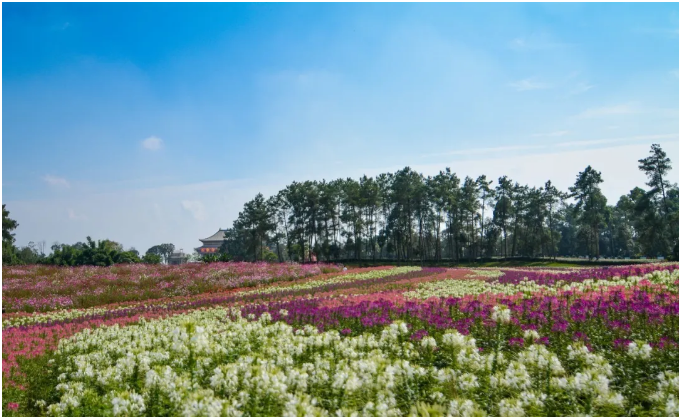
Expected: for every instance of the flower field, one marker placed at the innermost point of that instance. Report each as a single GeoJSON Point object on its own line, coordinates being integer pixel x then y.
{"type": "Point", "coordinates": [44, 288]}
{"type": "Point", "coordinates": [288, 340]}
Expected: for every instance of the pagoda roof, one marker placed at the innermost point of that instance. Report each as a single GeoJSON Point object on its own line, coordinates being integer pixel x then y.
{"type": "Point", "coordinates": [219, 236]}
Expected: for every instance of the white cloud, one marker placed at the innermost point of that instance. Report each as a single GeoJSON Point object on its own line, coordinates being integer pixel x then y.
{"type": "Point", "coordinates": [473, 151]}
{"type": "Point", "coordinates": [152, 143]}
{"type": "Point", "coordinates": [196, 208]}
{"type": "Point", "coordinates": [519, 43]}
{"type": "Point", "coordinates": [74, 216]}
{"type": "Point", "coordinates": [528, 84]}
{"type": "Point", "coordinates": [535, 42]}
{"type": "Point", "coordinates": [672, 32]}
{"type": "Point", "coordinates": [56, 181]}
{"type": "Point", "coordinates": [618, 140]}
{"type": "Point", "coordinates": [621, 109]}
{"type": "Point", "coordinates": [552, 134]}
{"type": "Point", "coordinates": [581, 88]}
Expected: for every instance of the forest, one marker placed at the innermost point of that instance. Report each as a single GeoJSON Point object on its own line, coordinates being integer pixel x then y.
{"type": "Point", "coordinates": [407, 216]}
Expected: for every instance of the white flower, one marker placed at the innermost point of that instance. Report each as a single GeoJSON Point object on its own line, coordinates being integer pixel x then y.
{"type": "Point", "coordinates": [671, 408]}
{"type": "Point", "coordinates": [510, 407]}
{"type": "Point", "coordinates": [463, 408]}
{"type": "Point", "coordinates": [531, 335]}
{"type": "Point", "coordinates": [639, 350]}
{"type": "Point", "coordinates": [501, 314]}
{"type": "Point", "coordinates": [428, 342]}
{"type": "Point", "coordinates": [467, 382]}
{"type": "Point", "coordinates": [516, 376]}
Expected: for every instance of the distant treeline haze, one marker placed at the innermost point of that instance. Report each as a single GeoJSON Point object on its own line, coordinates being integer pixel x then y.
{"type": "Point", "coordinates": [406, 216]}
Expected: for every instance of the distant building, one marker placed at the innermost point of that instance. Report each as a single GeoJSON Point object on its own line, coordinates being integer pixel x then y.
{"type": "Point", "coordinates": [178, 258]}
{"type": "Point", "coordinates": [211, 245]}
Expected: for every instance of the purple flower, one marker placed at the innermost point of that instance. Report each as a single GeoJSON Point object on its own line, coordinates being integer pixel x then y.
{"type": "Point", "coordinates": [417, 336]}
{"type": "Point", "coordinates": [543, 341]}
{"type": "Point", "coordinates": [621, 343]}
{"type": "Point", "coordinates": [516, 342]}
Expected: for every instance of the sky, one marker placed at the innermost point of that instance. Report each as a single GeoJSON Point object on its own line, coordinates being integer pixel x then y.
{"type": "Point", "coordinates": [154, 123]}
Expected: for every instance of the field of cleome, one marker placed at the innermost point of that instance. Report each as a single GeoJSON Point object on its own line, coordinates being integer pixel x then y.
{"type": "Point", "coordinates": [239, 339]}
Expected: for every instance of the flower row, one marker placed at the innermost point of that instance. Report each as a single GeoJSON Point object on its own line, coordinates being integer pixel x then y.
{"type": "Point", "coordinates": [215, 362]}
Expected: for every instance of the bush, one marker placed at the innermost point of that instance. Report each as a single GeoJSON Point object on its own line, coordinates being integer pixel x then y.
{"type": "Point", "coordinates": [151, 259]}
{"type": "Point", "coordinates": [220, 257]}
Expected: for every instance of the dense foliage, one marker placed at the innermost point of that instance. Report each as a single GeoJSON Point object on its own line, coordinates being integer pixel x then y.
{"type": "Point", "coordinates": [407, 216]}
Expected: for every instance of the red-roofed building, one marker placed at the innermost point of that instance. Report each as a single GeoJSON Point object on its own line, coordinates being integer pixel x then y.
{"type": "Point", "coordinates": [211, 245]}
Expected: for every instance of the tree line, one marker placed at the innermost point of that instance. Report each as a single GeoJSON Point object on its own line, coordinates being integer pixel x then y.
{"type": "Point", "coordinates": [96, 253]}
{"type": "Point", "coordinates": [406, 216]}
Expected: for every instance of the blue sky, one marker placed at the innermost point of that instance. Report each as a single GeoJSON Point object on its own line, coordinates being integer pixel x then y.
{"type": "Point", "coordinates": [149, 123]}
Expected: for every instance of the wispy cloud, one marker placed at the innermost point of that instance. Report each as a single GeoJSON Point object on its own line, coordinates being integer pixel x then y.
{"type": "Point", "coordinates": [528, 84]}
{"type": "Point", "coordinates": [555, 134]}
{"type": "Point", "coordinates": [152, 143]}
{"type": "Point", "coordinates": [552, 134]}
{"type": "Point", "coordinates": [60, 26]}
{"type": "Point", "coordinates": [618, 140]}
{"type": "Point", "coordinates": [74, 216]}
{"type": "Point", "coordinates": [196, 208]}
{"type": "Point", "coordinates": [673, 32]}
{"type": "Point", "coordinates": [675, 73]}
{"type": "Point", "coordinates": [56, 181]}
{"type": "Point", "coordinates": [581, 88]}
{"type": "Point", "coordinates": [535, 42]}
{"type": "Point", "coordinates": [621, 109]}
{"type": "Point", "coordinates": [474, 151]}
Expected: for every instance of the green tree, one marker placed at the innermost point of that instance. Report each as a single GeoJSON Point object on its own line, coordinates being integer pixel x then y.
{"type": "Point", "coordinates": [151, 259]}
{"type": "Point", "coordinates": [485, 194]}
{"type": "Point", "coordinates": [404, 215]}
{"type": "Point", "coordinates": [254, 224]}
{"type": "Point", "coordinates": [9, 256]}
{"type": "Point", "coordinates": [439, 194]}
{"type": "Point", "coordinates": [590, 207]}
{"type": "Point", "coordinates": [351, 214]}
{"type": "Point", "coordinates": [370, 196]}
{"type": "Point", "coordinates": [29, 255]}
{"type": "Point", "coordinates": [624, 244]}
{"type": "Point", "coordinates": [503, 207]}
{"type": "Point", "coordinates": [164, 251]}
{"type": "Point", "coordinates": [656, 166]}
{"type": "Point", "coordinates": [552, 197]}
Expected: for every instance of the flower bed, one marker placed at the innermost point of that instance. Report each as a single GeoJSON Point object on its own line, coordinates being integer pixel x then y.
{"type": "Point", "coordinates": [379, 341]}
{"type": "Point", "coordinates": [45, 288]}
